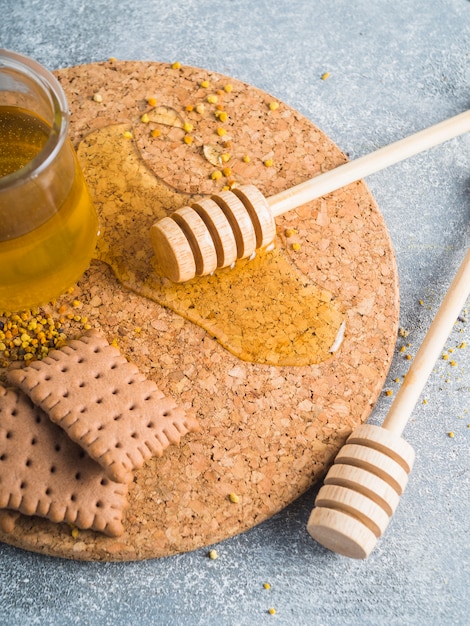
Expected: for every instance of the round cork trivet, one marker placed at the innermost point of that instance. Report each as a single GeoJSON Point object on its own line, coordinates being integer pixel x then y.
{"type": "Point", "coordinates": [267, 433]}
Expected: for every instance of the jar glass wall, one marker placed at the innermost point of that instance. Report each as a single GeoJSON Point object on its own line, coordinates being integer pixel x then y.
{"type": "Point", "coordinates": [48, 225]}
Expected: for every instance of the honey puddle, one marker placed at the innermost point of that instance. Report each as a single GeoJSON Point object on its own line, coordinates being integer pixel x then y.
{"type": "Point", "coordinates": [264, 311]}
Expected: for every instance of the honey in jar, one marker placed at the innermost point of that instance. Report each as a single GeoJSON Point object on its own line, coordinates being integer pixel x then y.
{"type": "Point", "coordinates": [48, 224]}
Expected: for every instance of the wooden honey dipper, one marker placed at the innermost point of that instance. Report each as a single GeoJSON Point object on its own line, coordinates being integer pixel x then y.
{"type": "Point", "coordinates": [363, 486]}
{"type": "Point", "coordinates": [215, 232]}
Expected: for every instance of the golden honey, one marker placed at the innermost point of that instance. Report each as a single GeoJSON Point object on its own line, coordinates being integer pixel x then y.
{"type": "Point", "coordinates": [264, 310]}
{"type": "Point", "coordinates": [39, 263]}
{"type": "Point", "coordinates": [23, 137]}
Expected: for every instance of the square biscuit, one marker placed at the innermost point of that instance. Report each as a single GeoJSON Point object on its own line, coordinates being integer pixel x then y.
{"type": "Point", "coordinates": [44, 473]}
{"type": "Point", "coordinates": [104, 404]}
{"type": "Point", "coordinates": [8, 520]}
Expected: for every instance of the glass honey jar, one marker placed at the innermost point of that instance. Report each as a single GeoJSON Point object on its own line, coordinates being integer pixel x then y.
{"type": "Point", "coordinates": [48, 224]}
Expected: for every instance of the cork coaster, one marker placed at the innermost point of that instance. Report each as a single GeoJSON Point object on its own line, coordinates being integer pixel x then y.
{"type": "Point", "coordinates": [267, 432]}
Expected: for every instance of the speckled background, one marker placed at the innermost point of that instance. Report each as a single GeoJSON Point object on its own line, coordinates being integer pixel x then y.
{"type": "Point", "coordinates": [394, 69]}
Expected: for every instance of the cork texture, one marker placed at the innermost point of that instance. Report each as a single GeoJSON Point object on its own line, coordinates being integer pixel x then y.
{"type": "Point", "coordinates": [268, 432]}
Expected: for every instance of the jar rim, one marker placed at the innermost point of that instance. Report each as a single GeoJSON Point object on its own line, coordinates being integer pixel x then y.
{"type": "Point", "coordinates": [51, 87]}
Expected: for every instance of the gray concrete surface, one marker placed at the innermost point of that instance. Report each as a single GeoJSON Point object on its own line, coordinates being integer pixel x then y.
{"type": "Point", "coordinates": [395, 67]}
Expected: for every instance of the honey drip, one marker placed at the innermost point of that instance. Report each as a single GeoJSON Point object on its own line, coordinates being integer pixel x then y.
{"type": "Point", "coordinates": [264, 310]}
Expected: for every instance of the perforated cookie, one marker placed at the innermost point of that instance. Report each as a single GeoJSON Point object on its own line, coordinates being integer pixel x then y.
{"type": "Point", "coordinates": [44, 473]}
{"type": "Point", "coordinates": [104, 404]}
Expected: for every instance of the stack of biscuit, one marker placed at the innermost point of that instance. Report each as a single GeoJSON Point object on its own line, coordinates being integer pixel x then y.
{"type": "Point", "coordinates": [73, 429]}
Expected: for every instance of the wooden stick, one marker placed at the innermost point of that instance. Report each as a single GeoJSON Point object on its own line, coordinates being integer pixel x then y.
{"type": "Point", "coordinates": [217, 231]}
{"type": "Point", "coordinates": [429, 350]}
{"type": "Point", "coordinates": [361, 490]}
{"type": "Point", "coordinates": [369, 164]}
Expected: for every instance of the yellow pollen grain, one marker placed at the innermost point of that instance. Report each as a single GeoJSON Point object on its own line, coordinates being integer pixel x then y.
{"type": "Point", "coordinates": [246, 158]}
{"type": "Point", "coordinates": [221, 115]}
{"type": "Point", "coordinates": [213, 554]}
{"type": "Point", "coordinates": [200, 108]}
{"type": "Point", "coordinates": [188, 140]}
{"type": "Point", "coordinates": [273, 106]}
{"type": "Point", "coordinates": [268, 163]}
{"type": "Point", "coordinates": [216, 175]}
{"type": "Point", "coordinates": [155, 132]}
{"type": "Point", "coordinates": [228, 88]}
{"type": "Point", "coordinates": [127, 134]}
{"type": "Point", "coordinates": [325, 75]}
{"type": "Point", "coordinates": [389, 392]}
{"type": "Point", "coordinates": [24, 337]}
{"type": "Point", "coordinates": [144, 119]}
{"type": "Point", "coordinates": [234, 498]}
{"type": "Point", "coordinates": [296, 247]}
{"type": "Point", "coordinates": [97, 97]}
{"type": "Point", "coordinates": [212, 98]}
{"type": "Point", "coordinates": [188, 127]}
{"type": "Point", "coordinates": [221, 131]}
{"type": "Point", "coordinates": [205, 84]}
{"type": "Point", "coordinates": [176, 65]}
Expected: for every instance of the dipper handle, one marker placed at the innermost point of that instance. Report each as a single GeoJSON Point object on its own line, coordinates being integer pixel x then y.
{"type": "Point", "coordinates": [429, 351]}
{"type": "Point", "coordinates": [369, 164]}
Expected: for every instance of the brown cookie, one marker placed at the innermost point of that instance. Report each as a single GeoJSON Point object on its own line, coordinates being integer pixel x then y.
{"type": "Point", "coordinates": [43, 472]}
{"type": "Point", "coordinates": [8, 520]}
{"type": "Point", "coordinates": [104, 404]}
